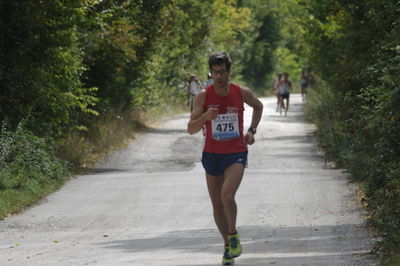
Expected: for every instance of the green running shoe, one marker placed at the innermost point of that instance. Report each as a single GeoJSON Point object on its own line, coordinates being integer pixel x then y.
{"type": "Point", "coordinates": [227, 259]}
{"type": "Point", "coordinates": [235, 247]}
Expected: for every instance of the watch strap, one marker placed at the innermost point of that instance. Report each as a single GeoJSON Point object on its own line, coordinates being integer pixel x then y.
{"type": "Point", "coordinates": [252, 130]}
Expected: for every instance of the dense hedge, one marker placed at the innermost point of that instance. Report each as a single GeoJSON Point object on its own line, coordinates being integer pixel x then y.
{"type": "Point", "coordinates": [29, 169]}
{"type": "Point", "coordinates": [355, 49]}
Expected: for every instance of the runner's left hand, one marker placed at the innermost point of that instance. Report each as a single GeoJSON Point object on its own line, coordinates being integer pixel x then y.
{"type": "Point", "coordinates": [249, 138]}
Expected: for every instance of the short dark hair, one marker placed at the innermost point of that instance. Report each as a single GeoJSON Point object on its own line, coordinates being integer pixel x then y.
{"type": "Point", "coordinates": [219, 58]}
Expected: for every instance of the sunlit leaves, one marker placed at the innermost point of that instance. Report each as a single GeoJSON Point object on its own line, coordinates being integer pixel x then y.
{"type": "Point", "coordinates": [228, 22]}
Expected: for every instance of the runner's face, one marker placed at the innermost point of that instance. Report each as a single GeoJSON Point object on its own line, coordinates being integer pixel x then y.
{"type": "Point", "coordinates": [220, 75]}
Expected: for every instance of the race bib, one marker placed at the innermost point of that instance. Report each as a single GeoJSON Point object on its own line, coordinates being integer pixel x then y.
{"type": "Point", "coordinates": [225, 127]}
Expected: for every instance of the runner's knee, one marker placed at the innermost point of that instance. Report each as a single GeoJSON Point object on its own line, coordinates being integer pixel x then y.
{"type": "Point", "coordinates": [228, 198]}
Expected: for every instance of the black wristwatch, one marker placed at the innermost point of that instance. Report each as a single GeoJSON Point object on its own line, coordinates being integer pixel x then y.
{"type": "Point", "coordinates": [252, 130]}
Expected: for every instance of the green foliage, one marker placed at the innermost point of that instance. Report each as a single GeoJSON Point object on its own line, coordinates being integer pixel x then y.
{"type": "Point", "coordinates": [28, 168]}
{"type": "Point", "coordinates": [355, 49]}
{"type": "Point", "coordinates": [117, 38]}
{"type": "Point", "coordinates": [63, 62]}
{"type": "Point", "coordinates": [278, 43]}
{"type": "Point", "coordinates": [380, 119]}
{"type": "Point", "coordinates": [26, 157]}
{"type": "Point", "coordinates": [392, 261]}
{"type": "Point", "coordinates": [40, 64]}
{"type": "Point", "coordinates": [231, 30]}
{"type": "Point", "coordinates": [228, 22]}
{"type": "Point", "coordinates": [258, 62]}
{"type": "Point", "coordinates": [180, 51]}
{"type": "Point", "coordinates": [322, 110]}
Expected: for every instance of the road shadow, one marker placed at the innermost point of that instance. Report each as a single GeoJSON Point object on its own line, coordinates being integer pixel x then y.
{"type": "Point", "coordinates": [294, 115]}
{"type": "Point", "coordinates": [309, 139]}
{"type": "Point", "coordinates": [166, 131]}
{"type": "Point", "coordinates": [346, 244]}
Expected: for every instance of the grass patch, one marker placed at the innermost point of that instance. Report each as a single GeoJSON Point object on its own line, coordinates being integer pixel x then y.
{"type": "Point", "coordinates": [392, 261]}
{"type": "Point", "coordinates": [15, 200]}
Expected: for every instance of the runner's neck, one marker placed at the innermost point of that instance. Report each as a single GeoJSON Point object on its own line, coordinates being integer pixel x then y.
{"type": "Point", "coordinates": [223, 91]}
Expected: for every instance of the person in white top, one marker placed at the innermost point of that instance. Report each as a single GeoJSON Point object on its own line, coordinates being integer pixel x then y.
{"type": "Point", "coordinates": [209, 81]}
{"type": "Point", "coordinates": [193, 88]}
{"type": "Point", "coordinates": [275, 87]}
{"type": "Point", "coordinates": [285, 86]}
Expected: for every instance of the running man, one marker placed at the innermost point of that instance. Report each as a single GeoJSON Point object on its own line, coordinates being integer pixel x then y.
{"type": "Point", "coordinates": [209, 80]}
{"type": "Point", "coordinates": [193, 88]}
{"type": "Point", "coordinates": [218, 109]}
{"type": "Point", "coordinates": [303, 84]}
{"type": "Point", "coordinates": [275, 87]}
{"type": "Point", "coordinates": [285, 86]}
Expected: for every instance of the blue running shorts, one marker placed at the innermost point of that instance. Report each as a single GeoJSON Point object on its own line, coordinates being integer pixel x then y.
{"type": "Point", "coordinates": [285, 95]}
{"type": "Point", "coordinates": [215, 163]}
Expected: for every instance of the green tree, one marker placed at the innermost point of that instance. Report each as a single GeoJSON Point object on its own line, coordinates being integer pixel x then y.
{"type": "Point", "coordinates": [230, 26]}
{"type": "Point", "coordinates": [258, 63]}
{"type": "Point", "coordinates": [354, 48]}
{"type": "Point", "coordinates": [118, 41]}
{"type": "Point", "coordinates": [180, 50]}
{"type": "Point", "coordinates": [40, 65]}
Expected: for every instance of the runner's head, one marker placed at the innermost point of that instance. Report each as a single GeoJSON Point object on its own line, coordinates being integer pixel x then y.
{"type": "Point", "coordinates": [219, 58]}
{"type": "Point", "coordinates": [285, 75]}
{"type": "Point", "coordinates": [220, 66]}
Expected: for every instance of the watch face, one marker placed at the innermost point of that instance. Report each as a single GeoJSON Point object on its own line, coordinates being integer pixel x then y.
{"type": "Point", "coordinates": [253, 130]}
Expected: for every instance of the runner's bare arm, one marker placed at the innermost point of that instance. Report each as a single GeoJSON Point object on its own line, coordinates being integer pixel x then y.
{"type": "Point", "coordinates": [199, 116]}
{"type": "Point", "coordinates": [255, 103]}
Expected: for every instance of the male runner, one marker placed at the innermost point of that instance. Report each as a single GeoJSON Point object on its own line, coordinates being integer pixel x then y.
{"type": "Point", "coordinates": [285, 86]}
{"type": "Point", "coordinates": [275, 86]}
{"type": "Point", "coordinates": [194, 86]}
{"type": "Point", "coordinates": [218, 109]}
{"type": "Point", "coordinates": [303, 84]}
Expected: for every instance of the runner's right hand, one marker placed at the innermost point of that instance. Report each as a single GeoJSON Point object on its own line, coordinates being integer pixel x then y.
{"type": "Point", "coordinates": [211, 113]}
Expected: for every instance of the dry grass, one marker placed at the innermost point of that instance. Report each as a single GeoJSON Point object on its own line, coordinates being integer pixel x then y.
{"type": "Point", "coordinates": [84, 149]}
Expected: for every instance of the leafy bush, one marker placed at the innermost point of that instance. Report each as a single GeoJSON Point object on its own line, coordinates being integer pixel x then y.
{"type": "Point", "coordinates": [355, 49]}
{"type": "Point", "coordinates": [26, 160]}
{"type": "Point", "coordinates": [40, 64]}
{"type": "Point", "coordinates": [381, 122]}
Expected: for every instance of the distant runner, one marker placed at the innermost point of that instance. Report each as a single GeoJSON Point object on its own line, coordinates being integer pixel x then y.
{"type": "Point", "coordinates": [193, 88]}
{"type": "Point", "coordinates": [285, 86]}
{"type": "Point", "coordinates": [275, 87]}
{"type": "Point", "coordinates": [218, 109]}
{"type": "Point", "coordinates": [303, 84]}
{"type": "Point", "coordinates": [209, 80]}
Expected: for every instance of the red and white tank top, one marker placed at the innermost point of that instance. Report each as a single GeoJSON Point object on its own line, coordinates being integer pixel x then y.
{"type": "Point", "coordinates": [225, 133]}
{"type": "Point", "coordinates": [284, 86]}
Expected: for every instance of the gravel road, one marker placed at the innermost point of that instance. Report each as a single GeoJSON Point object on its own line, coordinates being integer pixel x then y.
{"type": "Point", "coordinates": [148, 205]}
